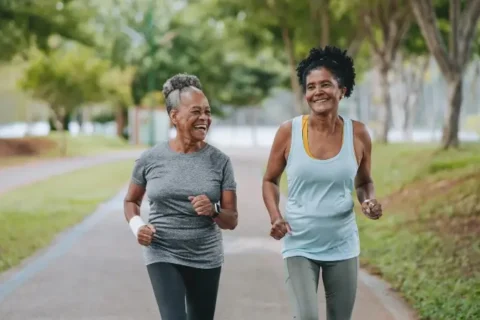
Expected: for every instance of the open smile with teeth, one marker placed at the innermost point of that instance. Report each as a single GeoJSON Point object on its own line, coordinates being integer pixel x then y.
{"type": "Point", "coordinates": [202, 127]}
{"type": "Point", "coordinates": [321, 100]}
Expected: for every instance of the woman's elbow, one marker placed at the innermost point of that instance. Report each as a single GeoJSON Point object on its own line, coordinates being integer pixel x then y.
{"type": "Point", "coordinates": [234, 223]}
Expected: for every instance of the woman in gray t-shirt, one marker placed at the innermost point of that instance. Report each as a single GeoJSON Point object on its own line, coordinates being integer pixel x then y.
{"type": "Point", "coordinates": [191, 190]}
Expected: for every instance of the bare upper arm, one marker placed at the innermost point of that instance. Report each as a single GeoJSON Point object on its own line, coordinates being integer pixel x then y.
{"type": "Point", "coordinates": [279, 153]}
{"type": "Point", "coordinates": [363, 152]}
{"type": "Point", "coordinates": [135, 193]}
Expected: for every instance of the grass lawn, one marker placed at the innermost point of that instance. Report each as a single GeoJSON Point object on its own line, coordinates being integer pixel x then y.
{"type": "Point", "coordinates": [23, 150]}
{"type": "Point", "coordinates": [31, 216]}
{"type": "Point", "coordinates": [84, 145]}
{"type": "Point", "coordinates": [427, 244]}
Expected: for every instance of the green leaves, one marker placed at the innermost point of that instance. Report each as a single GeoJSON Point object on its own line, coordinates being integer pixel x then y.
{"type": "Point", "coordinates": [229, 70]}
{"type": "Point", "coordinates": [65, 79]}
{"type": "Point", "coordinates": [239, 49]}
{"type": "Point", "coordinates": [24, 23]}
{"type": "Point", "coordinates": [116, 86]}
{"type": "Point", "coordinates": [247, 86]}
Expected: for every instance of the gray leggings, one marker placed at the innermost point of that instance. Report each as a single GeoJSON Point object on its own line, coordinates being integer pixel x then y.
{"type": "Point", "coordinates": [339, 280]}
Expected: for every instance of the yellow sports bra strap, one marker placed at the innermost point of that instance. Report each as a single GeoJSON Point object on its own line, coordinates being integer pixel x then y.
{"type": "Point", "coordinates": [305, 135]}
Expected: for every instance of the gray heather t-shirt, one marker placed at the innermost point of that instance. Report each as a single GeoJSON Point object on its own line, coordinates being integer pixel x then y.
{"type": "Point", "coordinates": [182, 236]}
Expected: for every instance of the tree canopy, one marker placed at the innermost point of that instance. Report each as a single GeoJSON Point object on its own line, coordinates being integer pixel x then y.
{"type": "Point", "coordinates": [24, 23]}
{"type": "Point", "coordinates": [240, 49]}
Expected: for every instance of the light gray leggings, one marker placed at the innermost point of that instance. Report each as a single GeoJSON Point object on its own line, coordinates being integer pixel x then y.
{"type": "Point", "coordinates": [339, 280]}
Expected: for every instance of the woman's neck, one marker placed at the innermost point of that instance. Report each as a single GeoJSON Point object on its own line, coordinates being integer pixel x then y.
{"type": "Point", "coordinates": [325, 123]}
{"type": "Point", "coordinates": [186, 145]}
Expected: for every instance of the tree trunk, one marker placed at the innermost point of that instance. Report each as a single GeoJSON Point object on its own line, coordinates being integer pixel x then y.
{"type": "Point", "coordinates": [79, 117]}
{"type": "Point", "coordinates": [432, 115]}
{"type": "Point", "coordinates": [474, 85]}
{"type": "Point", "coordinates": [51, 123]}
{"type": "Point", "coordinates": [386, 104]}
{"type": "Point", "coordinates": [414, 89]}
{"type": "Point", "coordinates": [355, 44]}
{"type": "Point", "coordinates": [325, 16]}
{"type": "Point", "coordinates": [59, 121]}
{"type": "Point", "coordinates": [452, 116]}
{"type": "Point", "coordinates": [451, 62]}
{"type": "Point", "coordinates": [406, 77]}
{"type": "Point", "coordinates": [121, 120]}
{"type": "Point", "coordinates": [65, 120]}
{"type": "Point", "coordinates": [409, 120]}
{"type": "Point", "coordinates": [406, 117]}
{"type": "Point", "coordinates": [320, 21]}
{"type": "Point", "coordinates": [296, 88]}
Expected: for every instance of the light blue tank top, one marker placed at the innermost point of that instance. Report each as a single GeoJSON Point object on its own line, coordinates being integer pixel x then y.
{"type": "Point", "coordinates": [320, 201]}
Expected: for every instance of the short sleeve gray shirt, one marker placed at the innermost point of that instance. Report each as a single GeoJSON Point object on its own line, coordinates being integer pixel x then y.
{"type": "Point", "coordinates": [182, 236]}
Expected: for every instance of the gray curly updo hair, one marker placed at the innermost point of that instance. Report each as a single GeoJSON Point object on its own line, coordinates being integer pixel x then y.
{"type": "Point", "coordinates": [173, 88]}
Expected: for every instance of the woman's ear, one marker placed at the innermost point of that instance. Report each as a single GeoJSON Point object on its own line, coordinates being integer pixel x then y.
{"type": "Point", "coordinates": [173, 116]}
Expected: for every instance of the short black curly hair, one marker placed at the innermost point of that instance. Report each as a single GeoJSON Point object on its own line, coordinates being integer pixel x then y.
{"type": "Point", "coordinates": [174, 86]}
{"type": "Point", "coordinates": [334, 59]}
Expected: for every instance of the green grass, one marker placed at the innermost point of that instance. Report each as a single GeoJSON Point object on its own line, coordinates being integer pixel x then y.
{"type": "Point", "coordinates": [427, 244]}
{"type": "Point", "coordinates": [31, 216]}
{"type": "Point", "coordinates": [49, 147]}
{"type": "Point", "coordinates": [84, 145]}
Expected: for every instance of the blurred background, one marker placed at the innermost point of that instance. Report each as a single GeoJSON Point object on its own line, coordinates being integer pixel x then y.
{"type": "Point", "coordinates": [97, 67]}
{"type": "Point", "coordinates": [83, 78]}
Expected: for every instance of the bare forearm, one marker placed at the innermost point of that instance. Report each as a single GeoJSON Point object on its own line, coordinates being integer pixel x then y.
{"type": "Point", "coordinates": [227, 219]}
{"type": "Point", "coordinates": [271, 198]}
{"type": "Point", "coordinates": [365, 191]}
{"type": "Point", "coordinates": [131, 209]}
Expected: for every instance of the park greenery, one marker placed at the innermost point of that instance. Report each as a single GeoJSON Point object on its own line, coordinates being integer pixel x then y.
{"type": "Point", "coordinates": [427, 250]}
{"type": "Point", "coordinates": [18, 151]}
{"type": "Point", "coordinates": [45, 215]}
{"type": "Point", "coordinates": [78, 53]}
{"type": "Point", "coordinates": [121, 52]}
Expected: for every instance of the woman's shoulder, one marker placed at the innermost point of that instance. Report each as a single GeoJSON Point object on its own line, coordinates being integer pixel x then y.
{"type": "Point", "coordinates": [360, 130]}
{"type": "Point", "coordinates": [152, 152]}
{"type": "Point", "coordinates": [217, 153]}
{"type": "Point", "coordinates": [285, 127]}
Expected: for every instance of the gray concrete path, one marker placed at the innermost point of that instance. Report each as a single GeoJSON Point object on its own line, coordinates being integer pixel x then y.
{"type": "Point", "coordinates": [95, 271]}
{"type": "Point", "coordinates": [17, 176]}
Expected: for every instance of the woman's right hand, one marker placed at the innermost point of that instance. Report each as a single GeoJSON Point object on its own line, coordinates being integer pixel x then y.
{"type": "Point", "coordinates": [279, 229]}
{"type": "Point", "coordinates": [145, 235]}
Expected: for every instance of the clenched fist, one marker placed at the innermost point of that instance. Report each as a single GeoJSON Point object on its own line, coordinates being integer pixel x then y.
{"type": "Point", "coordinates": [279, 229]}
{"type": "Point", "coordinates": [372, 209]}
{"type": "Point", "coordinates": [145, 235]}
{"type": "Point", "coordinates": [202, 205]}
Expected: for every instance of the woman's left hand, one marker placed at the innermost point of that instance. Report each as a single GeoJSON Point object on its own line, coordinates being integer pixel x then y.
{"type": "Point", "coordinates": [372, 209]}
{"type": "Point", "coordinates": [202, 205]}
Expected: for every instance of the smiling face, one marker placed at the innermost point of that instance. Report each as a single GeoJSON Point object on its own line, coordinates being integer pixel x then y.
{"type": "Point", "coordinates": [192, 118]}
{"type": "Point", "coordinates": [322, 91]}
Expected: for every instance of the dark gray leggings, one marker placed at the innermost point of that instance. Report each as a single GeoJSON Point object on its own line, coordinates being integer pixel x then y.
{"type": "Point", "coordinates": [173, 284]}
{"type": "Point", "coordinates": [339, 280]}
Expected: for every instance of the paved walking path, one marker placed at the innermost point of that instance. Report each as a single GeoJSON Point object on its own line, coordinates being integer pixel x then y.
{"type": "Point", "coordinates": [17, 176]}
{"type": "Point", "coordinates": [96, 271]}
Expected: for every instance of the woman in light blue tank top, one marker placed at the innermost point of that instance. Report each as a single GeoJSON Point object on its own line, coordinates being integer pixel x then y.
{"type": "Point", "coordinates": [325, 156]}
